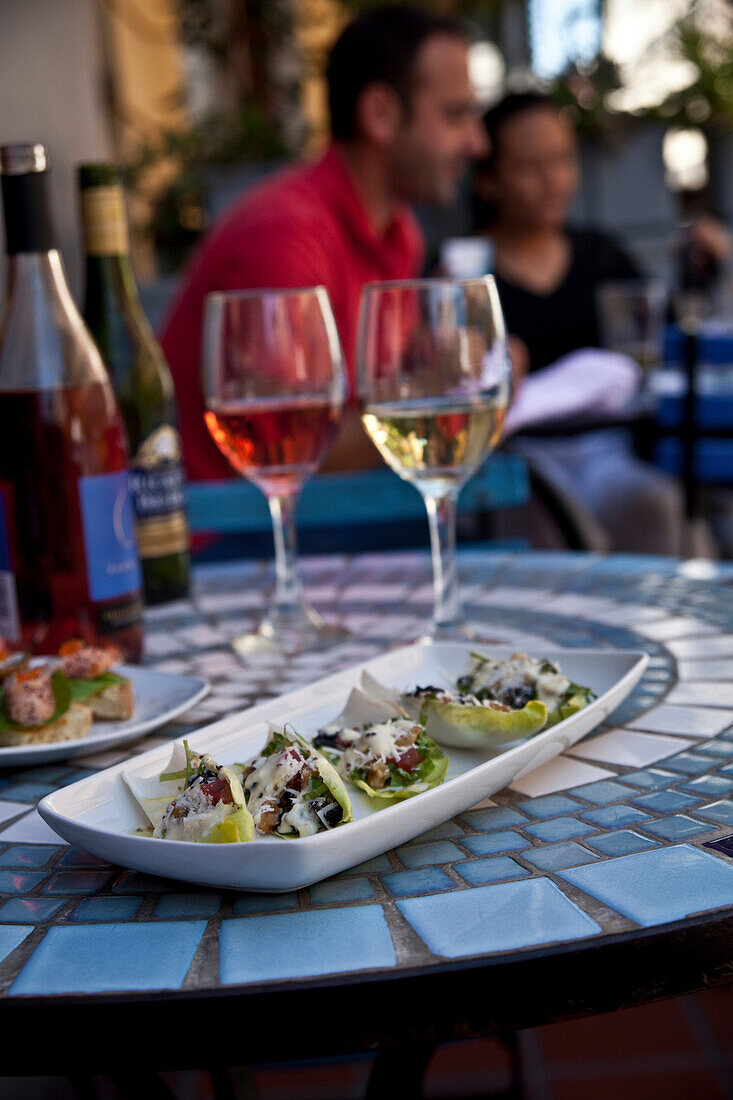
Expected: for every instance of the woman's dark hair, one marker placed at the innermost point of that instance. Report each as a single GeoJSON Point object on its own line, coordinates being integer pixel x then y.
{"type": "Point", "coordinates": [508, 108]}
{"type": "Point", "coordinates": [380, 46]}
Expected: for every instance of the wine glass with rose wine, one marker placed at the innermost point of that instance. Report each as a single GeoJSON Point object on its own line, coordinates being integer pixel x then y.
{"type": "Point", "coordinates": [274, 390]}
{"type": "Point", "coordinates": [434, 381]}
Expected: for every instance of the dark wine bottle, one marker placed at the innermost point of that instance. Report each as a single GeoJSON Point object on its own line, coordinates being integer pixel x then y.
{"type": "Point", "coordinates": [68, 556]}
{"type": "Point", "coordinates": [142, 382]}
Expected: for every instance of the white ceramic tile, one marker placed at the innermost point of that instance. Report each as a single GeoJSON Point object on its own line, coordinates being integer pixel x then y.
{"type": "Point", "coordinates": [12, 809]}
{"type": "Point", "coordinates": [227, 601]}
{"type": "Point", "coordinates": [720, 669]}
{"type": "Point", "coordinates": [424, 593]}
{"type": "Point", "coordinates": [685, 721]}
{"type": "Point", "coordinates": [629, 614]}
{"type": "Point", "coordinates": [703, 693]}
{"type": "Point", "coordinates": [514, 597]}
{"type": "Point", "coordinates": [576, 604]}
{"type": "Point", "coordinates": [484, 804]}
{"type": "Point", "coordinates": [31, 829]}
{"type": "Point", "coordinates": [383, 593]}
{"type": "Point", "coordinates": [100, 759]}
{"type": "Point", "coordinates": [200, 635]}
{"type": "Point", "coordinates": [629, 747]}
{"type": "Point", "coordinates": [160, 645]}
{"type": "Point", "coordinates": [234, 690]}
{"type": "Point", "coordinates": [558, 775]}
{"type": "Point", "coordinates": [677, 626]}
{"type": "Point", "coordinates": [702, 649]}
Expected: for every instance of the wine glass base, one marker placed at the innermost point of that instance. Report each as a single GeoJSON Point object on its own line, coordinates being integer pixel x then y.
{"type": "Point", "coordinates": [294, 631]}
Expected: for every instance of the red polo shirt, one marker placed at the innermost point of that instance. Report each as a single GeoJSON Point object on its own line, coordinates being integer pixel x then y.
{"type": "Point", "coordinates": [302, 227]}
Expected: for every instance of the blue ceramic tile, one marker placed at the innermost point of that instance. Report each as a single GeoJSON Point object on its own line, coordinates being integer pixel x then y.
{"type": "Point", "coordinates": [97, 958]}
{"type": "Point", "coordinates": [429, 880]}
{"type": "Point", "coordinates": [660, 886]}
{"type": "Point", "coordinates": [106, 909]}
{"type": "Point", "coordinates": [650, 778]}
{"type": "Point", "coordinates": [263, 903]}
{"type": "Point", "coordinates": [622, 843]}
{"type": "Point", "coordinates": [496, 918]}
{"type": "Point", "coordinates": [425, 855]}
{"type": "Point", "coordinates": [74, 859]}
{"type": "Point", "coordinates": [445, 831]}
{"type": "Point", "coordinates": [296, 945]}
{"type": "Point", "coordinates": [20, 882]}
{"type": "Point", "coordinates": [728, 769]}
{"type": "Point", "coordinates": [476, 872]}
{"type": "Point", "coordinates": [721, 812]}
{"type": "Point", "coordinates": [689, 763]}
{"type": "Point", "coordinates": [553, 856]}
{"type": "Point", "coordinates": [187, 905]}
{"type": "Point", "coordinates": [49, 773]}
{"type": "Point", "coordinates": [615, 817]}
{"type": "Point", "coordinates": [26, 792]}
{"type": "Point", "coordinates": [11, 936]}
{"type": "Point", "coordinates": [559, 828]}
{"type": "Point", "coordinates": [709, 785]}
{"type": "Point", "coordinates": [716, 747]}
{"type": "Point", "coordinates": [341, 889]}
{"type": "Point", "coordinates": [371, 866]}
{"type": "Point", "coordinates": [493, 817]}
{"type": "Point", "coordinates": [30, 855]}
{"type": "Point", "coordinates": [603, 791]}
{"type": "Point", "coordinates": [22, 910]}
{"type": "Point", "coordinates": [665, 802]}
{"type": "Point", "coordinates": [728, 735]}
{"type": "Point", "coordinates": [677, 827]}
{"type": "Point", "coordinates": [550, 805]}
{"type": "Point", "coordinates": [484, 844]}
{"type": "Point", "coordinates": [76, 882]}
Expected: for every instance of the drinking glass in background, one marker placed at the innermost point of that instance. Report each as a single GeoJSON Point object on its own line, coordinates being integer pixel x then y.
{"type": "Point", "coordinates": [631, 315]}
{"type": "Point", "coordinates": [274, 389]}
{"type": "Point", "coordinates": [434, 385]}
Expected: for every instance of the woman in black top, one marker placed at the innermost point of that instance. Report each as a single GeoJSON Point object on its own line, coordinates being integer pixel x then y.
{"type": "Point", "coordinates": [547, 275]}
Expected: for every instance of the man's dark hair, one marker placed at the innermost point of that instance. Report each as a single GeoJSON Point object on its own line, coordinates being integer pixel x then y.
{"type": "Point", "coordinates": [379, 46]}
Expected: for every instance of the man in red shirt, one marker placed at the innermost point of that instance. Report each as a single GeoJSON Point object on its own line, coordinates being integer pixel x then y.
{"type": "Point", "coordinates": [404, 125]}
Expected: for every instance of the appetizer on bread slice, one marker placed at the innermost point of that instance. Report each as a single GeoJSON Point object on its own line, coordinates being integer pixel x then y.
{"type": "Point", "coordinates": [36, 707]}
{"type": "Point", "coordinates": [88, 667]}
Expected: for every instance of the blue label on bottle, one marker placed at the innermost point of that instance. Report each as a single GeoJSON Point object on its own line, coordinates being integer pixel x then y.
{"type": "Point", "coordinates": [5, 562]}
{"type": "Point", "coordinates": [113, 567]}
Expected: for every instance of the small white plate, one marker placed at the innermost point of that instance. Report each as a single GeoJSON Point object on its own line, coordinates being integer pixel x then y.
{"type": "Point", "coordinates": [159, 696]}
{"type": "Point", "coordinates": [100, 815]}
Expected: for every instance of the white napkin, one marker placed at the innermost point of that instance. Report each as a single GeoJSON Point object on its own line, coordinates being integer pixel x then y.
{"type": "Point", "coordinates": [589, 380]}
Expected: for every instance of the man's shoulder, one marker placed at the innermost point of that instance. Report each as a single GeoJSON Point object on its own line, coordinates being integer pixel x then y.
{"type": "Point", "coordinates": [288, 199]}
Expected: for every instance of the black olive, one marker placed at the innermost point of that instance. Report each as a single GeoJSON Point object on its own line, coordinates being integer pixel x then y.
{"type": "Point", "coordinates": [517, 697]}
{"type": "Point", "coordinates": [327, 739]}
{"type": "Point", "coordinates": [330, 813]}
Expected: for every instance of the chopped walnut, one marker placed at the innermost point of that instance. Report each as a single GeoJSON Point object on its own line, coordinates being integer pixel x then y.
{"type": "Point", "coordinates": [378, 775]}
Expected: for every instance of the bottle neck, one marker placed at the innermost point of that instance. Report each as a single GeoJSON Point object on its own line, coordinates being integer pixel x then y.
{"type": "Point", "coordinates": [27, 209]}
{"type": "Point", "coordinates": [107, 241]}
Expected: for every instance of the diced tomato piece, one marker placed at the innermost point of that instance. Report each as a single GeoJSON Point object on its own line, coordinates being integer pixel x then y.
{"type": "Point", "coordinates": [218, 790]}
{"type": "Point", "coordinates": [409, 760]}
{"type": "Point", "coordinates": [73, 645]}
{"type": "Point", "coordinates": [4, 651]}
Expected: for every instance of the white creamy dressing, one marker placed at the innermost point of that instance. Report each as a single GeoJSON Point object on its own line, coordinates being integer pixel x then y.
{"type": "Point", "coordinates": [521, 670]}
{"type": "Point", "coordinates": [200, 818]}
{"type": "Point", "coordinates": [378, 742]}
{"type": "Point", "coordinates": [270, 778]}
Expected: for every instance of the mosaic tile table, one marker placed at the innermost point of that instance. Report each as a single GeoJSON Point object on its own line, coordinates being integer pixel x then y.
{"type": "Point", "coordinates": [587, 885]}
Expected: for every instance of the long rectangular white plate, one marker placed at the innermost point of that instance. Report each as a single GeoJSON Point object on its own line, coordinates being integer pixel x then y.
{"type": "Point", "coordinates": [159, 696]}
{"type": "Point", "coordinates": [100, 815]}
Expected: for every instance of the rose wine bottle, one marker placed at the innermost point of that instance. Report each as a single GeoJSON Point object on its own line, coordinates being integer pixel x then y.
{"type": "Point", "coordinates": [142, 382]}
{"type": "Point", "coordinates": [68, 554]}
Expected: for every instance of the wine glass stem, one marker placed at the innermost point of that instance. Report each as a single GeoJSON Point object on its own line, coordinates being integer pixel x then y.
{"type": "Point", "coordinates": [288, 593]}
{"type": "Point", "coordinates": [442, 520]}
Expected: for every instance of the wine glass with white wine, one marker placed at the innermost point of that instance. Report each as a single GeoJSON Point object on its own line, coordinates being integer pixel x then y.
{"type": "Point", "coordinates": [434, 383]}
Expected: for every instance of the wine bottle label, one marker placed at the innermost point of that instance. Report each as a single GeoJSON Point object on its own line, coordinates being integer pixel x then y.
{"type": "Point", "coordinates": [158, 490]}
{"type": "Point", "coordinates": [105, 224]}
{"type": "Point", "coordinates": [108, 521]}
{"type": "Point", "coordinates": [9, 617]}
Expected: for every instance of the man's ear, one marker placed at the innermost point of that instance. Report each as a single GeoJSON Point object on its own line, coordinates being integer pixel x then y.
{"type": "Point", "coordinates": [379, 113]}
